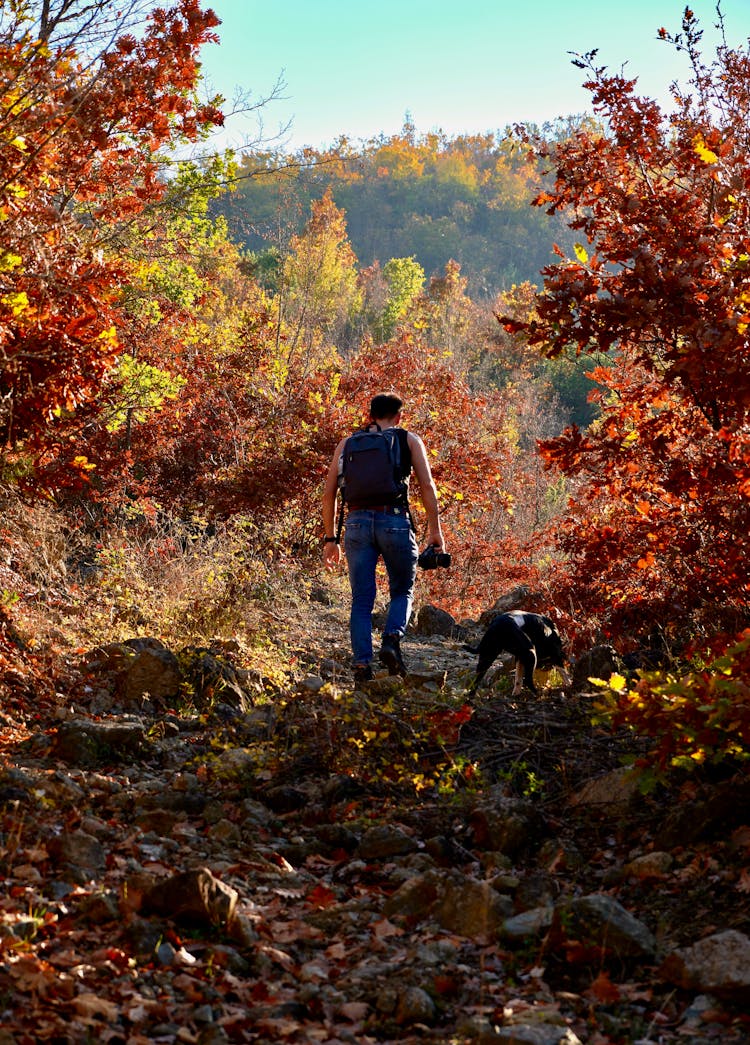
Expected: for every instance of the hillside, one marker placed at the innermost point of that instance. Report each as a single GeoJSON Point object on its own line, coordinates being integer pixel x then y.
{"type": "Point", "coordinates": [208, 832]}
{"type": "Point", "coordinates": [262, 852]}
{"type": "Point", "coordinates": [433, 198]}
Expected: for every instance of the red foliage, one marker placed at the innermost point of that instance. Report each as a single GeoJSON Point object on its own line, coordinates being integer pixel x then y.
{"type": "Point", "coordinates": [659, 528]}
{"type": "Point", "coordinates": [81, 159]}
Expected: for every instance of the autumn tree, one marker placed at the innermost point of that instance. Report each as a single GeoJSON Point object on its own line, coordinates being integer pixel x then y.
{"type": "Point", "coordinates": [318, 292]}
{"type": "Point", "coordinates": [429, 197]}
{"type": "Point", "coordinates": [82, 128]}
{"type": "Point", "coordinates": [659, 529]}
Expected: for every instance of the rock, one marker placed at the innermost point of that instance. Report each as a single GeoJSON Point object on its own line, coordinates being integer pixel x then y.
{"type": "Point", "coordinates": [599, 923]}
{"type": "Point", "coordinates": [192, 896]}
{"type": "Point", "coordinates": [505, 826]}
{"type": "Point", "coordinates": [480, 1031]}
{"type": "Point", "coordinates": [415, 1006]}
{"type": "Point", "coordinates": [312, 684]}
{"type": "Point", "coordinates": [512, 600]}
{"type": "Point", "coordinates": [531, 923]}
{"type": "Point", "coordinates": [384, 841]}
{"type": "Point", "coordinates": [613, 792]}
{"type": "Point", "coordinates": [456, 902]}
{"type": "Point", "coordinates": [431, 620]}
{"type": "Point", "coordinates": [599, 663]}
{"type": "Point", "coordinates": [84, 742]}
{"type": "Point", "coordinates": [719, 964]}
{"type": "Point", "coordinates": [650, 865]}
{"type": "Point", "coordinates": [79, 852]}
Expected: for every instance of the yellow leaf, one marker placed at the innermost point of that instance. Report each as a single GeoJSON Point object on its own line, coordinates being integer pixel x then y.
{"type": "Point", "coordinates": [83, 463]}
{"type": "Point", "coordinates": [17, 303]}
{"type": "Point", "coordinates": [109, 335]}
{"type": "Point", "coordinates": [9, 261]}
{"type": "Point", "coordinates": [617, 682]}
{"type": "Point", "coordinates": [703, 151]}
{"type": "Point", "coordinates": [581, 253]}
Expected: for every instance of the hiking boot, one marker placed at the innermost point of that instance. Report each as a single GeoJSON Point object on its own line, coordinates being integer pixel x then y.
{"type": "Point", "coordinates": [390, 655]}
{"type": "Point", "coordinates": [362, 673]}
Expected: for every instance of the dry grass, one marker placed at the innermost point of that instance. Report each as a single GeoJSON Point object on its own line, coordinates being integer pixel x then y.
{"type": "Point", "coordinates": [70, 590]}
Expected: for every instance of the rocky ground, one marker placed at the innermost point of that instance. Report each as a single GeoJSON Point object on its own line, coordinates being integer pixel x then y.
{"type": "Point", "coordinates": [303, 861]}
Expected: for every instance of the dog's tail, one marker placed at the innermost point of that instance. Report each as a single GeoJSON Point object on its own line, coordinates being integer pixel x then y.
{"type": "Point", "coordinates": [471, 649]}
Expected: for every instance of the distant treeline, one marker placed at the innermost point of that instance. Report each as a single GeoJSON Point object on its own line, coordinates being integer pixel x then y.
{"type": "Point", "coordinates": [431, 197]}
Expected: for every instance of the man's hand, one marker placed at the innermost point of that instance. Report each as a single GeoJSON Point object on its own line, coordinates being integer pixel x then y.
{"type": "Point", "coordinates": [331, 555]}
{"type": "Point", "coordinates": [436, 539]}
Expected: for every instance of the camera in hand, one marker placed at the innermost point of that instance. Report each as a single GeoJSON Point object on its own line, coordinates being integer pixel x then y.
{"type": "Point", "coordinates": [431, 558]}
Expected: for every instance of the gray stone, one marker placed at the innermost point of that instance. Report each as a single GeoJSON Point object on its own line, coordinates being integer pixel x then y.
{"type": "Point", "coordinates": [531, 923]}
{"type": "Point", "coordinates": [431, 620]}
{"type": "Point", "coordinates": [192, 896]}
{"type": "Point", "coordinates": [84, 742]}
{"type": "Point", "coordinates": [415, 1006]}
{"type": "Point", "coordinates": [312, 684]}
{"type": "Point", "coordinates": [481, 1031]}
{"type": "Point", "coordinates": [600, 922]}
{"type": "Point", "coordinates": [612, 792]}
{"type": "Point", "coordinates": [456, 902]}
{"type": "Point", "coordinates": [383, 841]}
{"type": "Point", "coordinates": [600, 662]}
{"type": "Point", "coordinates": [719, 964]}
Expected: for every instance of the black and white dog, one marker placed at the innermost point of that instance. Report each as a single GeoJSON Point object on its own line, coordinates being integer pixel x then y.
{"type": "Point", "coordinates": [531, 638]}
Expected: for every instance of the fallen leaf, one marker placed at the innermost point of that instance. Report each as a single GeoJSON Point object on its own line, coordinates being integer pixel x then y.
{"type": "Point", "coordinates": [92, 1005]}
{"type": "Point", "coordinates": [603, 990]}
{"type": "Point", "coordinates": [382, 929]}
{"type": "Point", "coordinates": [354, 1010]}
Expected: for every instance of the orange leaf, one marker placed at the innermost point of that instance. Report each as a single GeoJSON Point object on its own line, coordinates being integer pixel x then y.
{"type": "Point", "coordinates": [603, 989]}
{"type": "Point", "coordinates": [321, 896]}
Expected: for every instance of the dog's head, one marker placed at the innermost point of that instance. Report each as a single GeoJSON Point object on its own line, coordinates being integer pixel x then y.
{"type": "Point", "coordinates": [551, 652]}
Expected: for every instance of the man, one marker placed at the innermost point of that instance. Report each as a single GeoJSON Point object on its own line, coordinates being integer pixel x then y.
{"type": "Point", "coordinates": [381, 530]}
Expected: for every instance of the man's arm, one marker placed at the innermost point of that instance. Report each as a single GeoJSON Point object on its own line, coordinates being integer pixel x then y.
{"type": "Point", "coordinates": [331, 551]}
{"type": "Point", "coordinates": [427, 490]}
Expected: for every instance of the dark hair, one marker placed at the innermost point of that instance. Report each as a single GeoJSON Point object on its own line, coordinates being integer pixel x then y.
{"type": "Point", "coordinates": [385, 405]}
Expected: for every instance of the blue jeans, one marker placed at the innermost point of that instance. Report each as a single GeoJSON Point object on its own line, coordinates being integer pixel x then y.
{"type": "Point", "coordinates": [369, 535]}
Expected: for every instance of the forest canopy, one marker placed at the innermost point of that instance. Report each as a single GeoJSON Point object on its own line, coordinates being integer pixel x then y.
{"type": "Point", "coordinates": [434, 198]}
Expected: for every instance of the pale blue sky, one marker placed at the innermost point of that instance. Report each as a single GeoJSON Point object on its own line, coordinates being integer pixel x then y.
{"type": "Point", "coordinates": [356, 67]}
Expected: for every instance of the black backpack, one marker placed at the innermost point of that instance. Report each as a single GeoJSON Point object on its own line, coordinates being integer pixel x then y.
{"type": "Point", "coordinates": [372, 472]}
